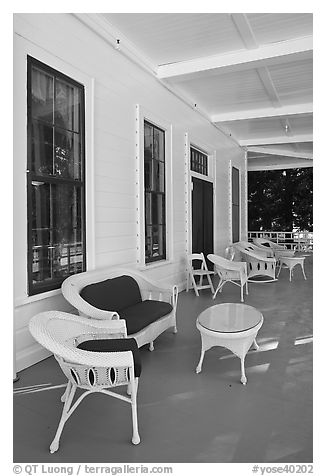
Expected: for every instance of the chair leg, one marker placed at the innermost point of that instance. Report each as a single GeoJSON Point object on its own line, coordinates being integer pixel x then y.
{"type": "Point", "coordinates": [219, 288]}
{"type": "Point", "coordinates": [241, 291]}
{"type": "Point", "coordinates": [151, 346]}
{"type": "Point", "coordinates": [210, 283]}
{"type": "Point", "coordinates": [135, 434]}
{"type": "Point", "coordinates": [64, 417]}
{"type": "Point", "coordinates": [194, 285]}
{"type": "Point", "coordinates": [247, 292]}
{"type": "Point", "coordinates": [66, 392]}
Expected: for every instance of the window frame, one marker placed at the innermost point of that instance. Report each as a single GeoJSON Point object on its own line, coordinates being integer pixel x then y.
{"type": "Point", "coordinates": [54, 284]}
{"type": "Point", "coordinates": [162, 256]}
{"type": "Point", "coordinates": [143, 114]}
{"type": "Point", "coordinates": [205, 166]}
{"type": "Point", "coordinates": [235, 206]}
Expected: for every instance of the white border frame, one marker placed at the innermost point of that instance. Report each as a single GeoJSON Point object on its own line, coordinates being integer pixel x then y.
{"type": "Point", "coordinates": [23, 48]}
{"type": "Point", "coordinates": [143, 114]}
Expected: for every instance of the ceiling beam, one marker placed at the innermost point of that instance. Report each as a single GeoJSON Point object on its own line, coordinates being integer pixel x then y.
{"type": "Point", "coordinates": [280, 151]}
{"type": "Point", "coordinates": [266, 79]}
{"type": "Point", "coordinates": [277, 164]}
{"type": "Point", "coordinates": [277, 140]}
{"type": "Point", "coordinates": [263, 112]}
{"type": "Point", "coordinates": [240, 59]}
{"type": "Point", "coordinates": [245, 31]}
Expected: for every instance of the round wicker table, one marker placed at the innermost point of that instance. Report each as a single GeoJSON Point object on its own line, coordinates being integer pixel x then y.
{"type": "Point", "coordinates": [290, 263]}
{"type": "Point", "coordinates": [230, 325]}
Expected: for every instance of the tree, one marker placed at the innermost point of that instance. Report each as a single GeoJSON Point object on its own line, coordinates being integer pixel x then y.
{"type": "Point", "coordinates": [280, 200]}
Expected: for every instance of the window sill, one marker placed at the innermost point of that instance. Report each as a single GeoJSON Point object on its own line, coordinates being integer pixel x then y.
{"type": "Point", "coordinates": [24, 300]}
{"type": "Point", "coordinates": [155, 264]}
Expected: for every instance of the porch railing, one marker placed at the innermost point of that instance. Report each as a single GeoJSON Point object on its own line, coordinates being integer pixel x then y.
{"type": "Point", "coordinates": [299, 240]}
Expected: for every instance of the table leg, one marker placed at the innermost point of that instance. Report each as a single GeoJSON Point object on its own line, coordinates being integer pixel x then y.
{"type": "Point", "coordinates": [198, 368]}
{"type": "Point", "coordinates": [304, 274]}
{"type": "Point", "coordinates": [243, 375]}
{"type": "Point", "coordinates": [255, 345]}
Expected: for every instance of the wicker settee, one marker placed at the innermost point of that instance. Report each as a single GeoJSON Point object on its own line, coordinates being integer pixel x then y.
{"type": "Point", "coordinates": [148, 307]}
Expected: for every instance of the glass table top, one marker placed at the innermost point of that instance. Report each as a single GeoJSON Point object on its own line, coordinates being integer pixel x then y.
{"type": "Point", "coordinates": [230, 317]}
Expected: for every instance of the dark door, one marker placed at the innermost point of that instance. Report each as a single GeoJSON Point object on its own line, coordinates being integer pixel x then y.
{"type": "Point", "coordinates": [202, 217]}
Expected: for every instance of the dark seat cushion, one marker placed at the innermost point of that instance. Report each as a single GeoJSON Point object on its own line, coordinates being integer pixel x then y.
{"type": "Point", "coordinates": [114, 345]}
{"type": "Point", "coordinates": [112, 294]}
{"type": "Point", "coordinates": [142, 314]}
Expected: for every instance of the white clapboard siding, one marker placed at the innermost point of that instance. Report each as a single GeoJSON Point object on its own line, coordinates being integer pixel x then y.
{"type": "Point", "coordinates": [114, 86]}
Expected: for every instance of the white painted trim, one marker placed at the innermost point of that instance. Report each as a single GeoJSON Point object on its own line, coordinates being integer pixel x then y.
{"type": "Point", "coordinates": [187, 178]}
{"type": "Point", "coordinates": [141, 115]}
{"type": "Point", "coordinates": [23, 48]}
{"type": "Point", "coordinates": [230, 202]}
{"type": "Point", "coordinates": [240, 59]}
{"type": "Point", "coordinates": [246, 195]}
{"type": "Point", "coordinates": [285, 165]}
{"type": "Point", "coordinates": [280, 151]}
{"type": "Point", "coordinates": [22, 301]}
{"type": "Point", "coordinates": [289, 110]}
{"type": "Point", "coordinates": [277, 140]}
{"type": "Point", "coordinates": [103, 28]}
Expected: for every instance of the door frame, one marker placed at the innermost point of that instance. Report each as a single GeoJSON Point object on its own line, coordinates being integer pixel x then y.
{"type": "Point", "coordinates": [189, 174]}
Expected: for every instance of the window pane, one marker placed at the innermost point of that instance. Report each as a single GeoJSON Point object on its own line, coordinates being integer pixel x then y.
{"type": "Point", "coordinates": [42, 95]}
{"type": "Point", "coordinates": [235, 186]}
{"type": "Point", "coordinates": [42, 148]}
{"type": "Point", "coordinates": [148, 208]}
{"type": "Point", "coordinates": [148, 141]}
{"type": "Point", "coordinates": [41, 231]}
{"type": "Point", "coordinates": [148, 174]}
{"type": "Point", "coordinates": [158, 145]}
{"type": "Point", "coordinates": [158, 209]}
{"type": "Point", "coordinates": [67, 106]}
{"type": "Point", "coordinates": [56, 230]}
{"type": "Point", "coordinates": [67, 159]}
{"type": "Point", "coordinates": [157, 241]}
{"type": "Point", "coordinates": [198, 162]}
{"type": "Point", "coordinates": [158, 176]}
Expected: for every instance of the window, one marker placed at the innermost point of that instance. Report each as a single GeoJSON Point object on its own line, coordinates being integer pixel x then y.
{"type": "Point", "coordinates": [154, 184]}
{"type": "Point", "coordinates": [55, 177]}
{"type": "Point", "coordinates": [235, 205]}
{"type": "Point", "coordinates": [198, 161]}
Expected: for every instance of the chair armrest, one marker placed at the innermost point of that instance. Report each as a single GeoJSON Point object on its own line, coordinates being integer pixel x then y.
{"type": "Point", "coordinates": [96, 359]}
{"type": "Point", "coordinates": [71, 291]}
{"type": "Point", "coordinates": [111, 327]}
{"type": "Point", "coordinates": [258, 256]}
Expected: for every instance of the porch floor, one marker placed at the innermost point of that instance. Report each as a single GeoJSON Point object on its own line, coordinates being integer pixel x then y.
{"type": "Point", "coordinates": [185, 417]}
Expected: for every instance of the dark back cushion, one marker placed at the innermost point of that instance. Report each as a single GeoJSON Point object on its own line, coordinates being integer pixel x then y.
{"type": "Point", "coordinates": [112, 294]}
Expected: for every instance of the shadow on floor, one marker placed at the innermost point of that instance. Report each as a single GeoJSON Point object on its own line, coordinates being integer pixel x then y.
{"type": "Point", "coordinates": [187, 417]}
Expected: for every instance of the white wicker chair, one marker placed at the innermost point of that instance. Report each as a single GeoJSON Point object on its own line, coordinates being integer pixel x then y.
{"type": "Point", "coordinates": [73, 285]}
{"type": "Point", "coordinates": [229, 272]}
{"type": "Point", "coordinates": [255, 248]}
{"type": "Point", "coordinates": [258, 263]}
{"type": "Point", "coordinates": [61, 333]}
{"type": "Point", "coordinates": [229, 253]}
{"type": "Point", "coordinates": [275, 249]}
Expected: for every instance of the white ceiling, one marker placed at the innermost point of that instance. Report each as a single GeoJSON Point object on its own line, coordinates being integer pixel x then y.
{"type": "Point", "coordinates": [250, 74]}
